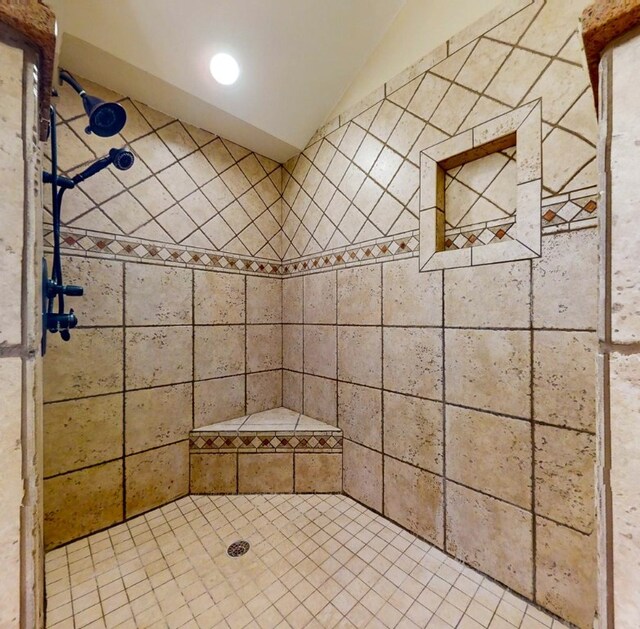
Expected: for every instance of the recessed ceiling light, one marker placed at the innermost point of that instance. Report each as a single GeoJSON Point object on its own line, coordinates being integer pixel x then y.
{"type": "Point", "coordinates": [224, 68]}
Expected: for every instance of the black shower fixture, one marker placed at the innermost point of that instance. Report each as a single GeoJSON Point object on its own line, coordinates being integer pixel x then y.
{"type": "Point", "coordinates": [105, 119]}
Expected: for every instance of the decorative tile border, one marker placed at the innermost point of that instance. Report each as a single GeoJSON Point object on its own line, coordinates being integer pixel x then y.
{"type": "Point", "coordinates": [402, 246]}
{"type": "Point", "coordinates": [298, 441]}
{"type": "Point", "coordinates": [570, 213]}
{"type": "Point", "coordinates": [478, 235]}
{"type": "Point", "coordinates": [124, 248]}
{"type": "Point", "coordinates": [577, 210]}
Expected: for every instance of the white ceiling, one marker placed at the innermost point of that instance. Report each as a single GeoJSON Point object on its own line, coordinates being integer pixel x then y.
{"type": "Point", "coordinates": [297, 59]}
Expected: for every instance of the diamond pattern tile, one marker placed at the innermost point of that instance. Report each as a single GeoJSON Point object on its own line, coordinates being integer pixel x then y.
{"type": "Point", "coordinates": [360, 180]}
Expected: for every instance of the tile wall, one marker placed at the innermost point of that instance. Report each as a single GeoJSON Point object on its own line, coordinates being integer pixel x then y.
{"type": "Point", "coordinates": [619, 334]}
{"type": "Point", "coordinates": [466, 396]}
{"type": "Point", "coordinates": [162, 346]}
{"type": "Point", "coordinates": [21, 551]}
{"type": "Point", "coordinates": [430, 376]}
{"type": "Point", "coordinates": [159, 350]}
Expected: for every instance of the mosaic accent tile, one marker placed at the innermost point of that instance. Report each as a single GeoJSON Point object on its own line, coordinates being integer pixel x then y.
{"type": "Point", "coordinates": [256, 442]}
{"type": "Point", "coordinates": [573, 212]}
{"type": "Point", "coordinates": [114, 247]}
{"type": "Point", "coordinates": [275, 430]}
{"type": "Point", "coordinates": [401, 246]}
{"type": "Point", "coordinates": [482, 235]}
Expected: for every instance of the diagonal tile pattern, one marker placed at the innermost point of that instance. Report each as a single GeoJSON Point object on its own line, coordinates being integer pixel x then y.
{"type": "Point", "coordinates": [317, 561]}
{"type": "Point", "coordinates": [361, 175]}
{"type": "Point", "coordinates": [188, 187]}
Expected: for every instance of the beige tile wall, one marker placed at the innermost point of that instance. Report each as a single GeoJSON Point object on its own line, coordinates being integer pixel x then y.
{"type": "Point", "coordinates": [21, 549]}
{"type": "Point", "coordinates": [463, 420]}
{"type": "Point", "coordinates": [358, 179]}
{"type": "Point", "coordinates": [466, 396]}
{"type": "Point", "coordinates": [429, 374]}
{"type": "Point", "coordinates": [159, 350]}
{"type": "Point", "coordinates": [619, 335]}
{"type": "Point", "coordinates": [187, 188]}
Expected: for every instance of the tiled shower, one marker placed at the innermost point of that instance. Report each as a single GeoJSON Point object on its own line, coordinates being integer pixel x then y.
{"type": "Point", "coordinates": [459, 395]}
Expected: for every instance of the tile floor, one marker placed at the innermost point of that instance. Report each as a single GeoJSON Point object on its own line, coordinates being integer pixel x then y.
{"type": "Point", "coordinates": [319, 561]}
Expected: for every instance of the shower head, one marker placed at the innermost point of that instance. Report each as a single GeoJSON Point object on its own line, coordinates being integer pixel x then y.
{"type": "Point", "coordinates": [105, 119]}
{"type": "Point", "coordinates": [120, 158]}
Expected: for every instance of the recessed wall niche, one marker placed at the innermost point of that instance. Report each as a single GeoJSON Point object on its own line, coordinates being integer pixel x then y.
{"type": "Point", "coordinates": [480, 193]}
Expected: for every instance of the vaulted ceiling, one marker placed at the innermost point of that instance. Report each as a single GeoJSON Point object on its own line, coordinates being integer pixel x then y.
{"type": "Point", "coordinates": [297, 58]}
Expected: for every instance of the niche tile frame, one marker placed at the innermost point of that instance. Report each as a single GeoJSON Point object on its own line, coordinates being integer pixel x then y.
{"type": "Point", "coordinates": [520, 128]}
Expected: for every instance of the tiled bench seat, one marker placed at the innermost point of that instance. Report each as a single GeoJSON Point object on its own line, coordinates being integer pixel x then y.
{"type": "Point", "coordinates": [276, 451]}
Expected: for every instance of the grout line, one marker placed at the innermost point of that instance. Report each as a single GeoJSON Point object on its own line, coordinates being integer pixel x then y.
{"type": "Point", "coordinates": [124, 391]}
{"type": "Point", "coordinates": [444, 412]}
{"type": "Point", "coordinates": [534, 577]}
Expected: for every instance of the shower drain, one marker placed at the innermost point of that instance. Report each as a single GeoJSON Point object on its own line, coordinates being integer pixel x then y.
{"type": "Point", "coordinates": [237, 549]}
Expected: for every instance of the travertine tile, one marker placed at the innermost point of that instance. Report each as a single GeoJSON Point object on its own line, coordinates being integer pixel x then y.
{"type": "Point", "coordinates": [155, 477]}
{"type": "Point", "coordinates": [414, 499]}
{"type": "Point", "coordinates": [157, 295]}
{"type": "Point", "coordinates": [102, 281]}
{"type": "Point", "coordinates": [264, 347]}
{"type": "Point", "coordinates": [320, 350]}
{"type": "Point", "coordinates": [218, 297]}
{"type": "Point", "coordinates": [80, 433]}
{"type": "Point", "coordinates": [360, 414]}
{"type": "Point", "coordinates": [264, 391]}
{"type": "Point", "coordinates": [156, 356]}
{"type": "Point", "coordinates": [624, 374]}
{"type": "Point", "coordinates": [292, 390]}
{"type": "Point", "coordinates": [320, 297]}
{"type": "Point", "coordinates": [318, 473]}
{"type": "Point", "coordinates": [564, 373]}
{"type": "Point", "coordinates": [565, 572]}
{"type": "Point", "coordinates": [82, 502]}
{"type": "Point", "coordinates": [218, 400]}
{"type": "Point", "coordinates": [413, 361]}
{"type": "Point", "coordinates": [320, 399]}
{"type": "Point", "coordinates": [12, 490]}
{"type": "Point", "coordinates": [362, 474]}
{"type": "Point", "coordinates": [292, 347]}
{"type": "Point", "coordinates": [236, 590]}
{"type": "Point", "coordinates": [157, 417]}
{"type": "Point", "coordinates": [213, 473]}
{"type": "Point", "coordinates": [490, 453]}
{"type": "Point", "coordinates": [360, 295]}
{"type": "Point", "coordinates": [565, 293]}
{"type": "Point", "coordinates": [219, 351]}
{"type": "Point", "coordinates": [493, 296]}
{"type": "Point", "coordinates": [411, 297]}
{"type": "Point", "coordinates": [413, 430]}
{"type": "Point", "coordinates": [264, 300]}
{"type": "Point", "coordinates": [565, 476]}
{"type": "Point", "coordinates": [360, 355]}
{"type": "Point", "coordinates": [492, 536]}
{"type": "Point", "coordinates": [292, 300]}
{"type": "Point", "coordinates": [265, 473]}
{"type": "Point", "coordinates": [68, 373]}
{"type": "Point", "coordinates": [489, 370]}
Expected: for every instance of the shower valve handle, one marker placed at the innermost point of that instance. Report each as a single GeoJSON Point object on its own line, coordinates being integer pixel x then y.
{"type": "Point", "coordinates": [73, 291]}
{"type": "Point", "coordinates": [69, 290]}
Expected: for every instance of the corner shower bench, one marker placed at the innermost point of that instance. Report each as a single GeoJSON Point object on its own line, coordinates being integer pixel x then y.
{"type": "Point", "coordinates": [275, 451]}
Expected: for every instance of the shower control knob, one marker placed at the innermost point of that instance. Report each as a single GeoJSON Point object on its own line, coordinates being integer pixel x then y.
{"type": "Point", "coordinates": [73, 291]}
